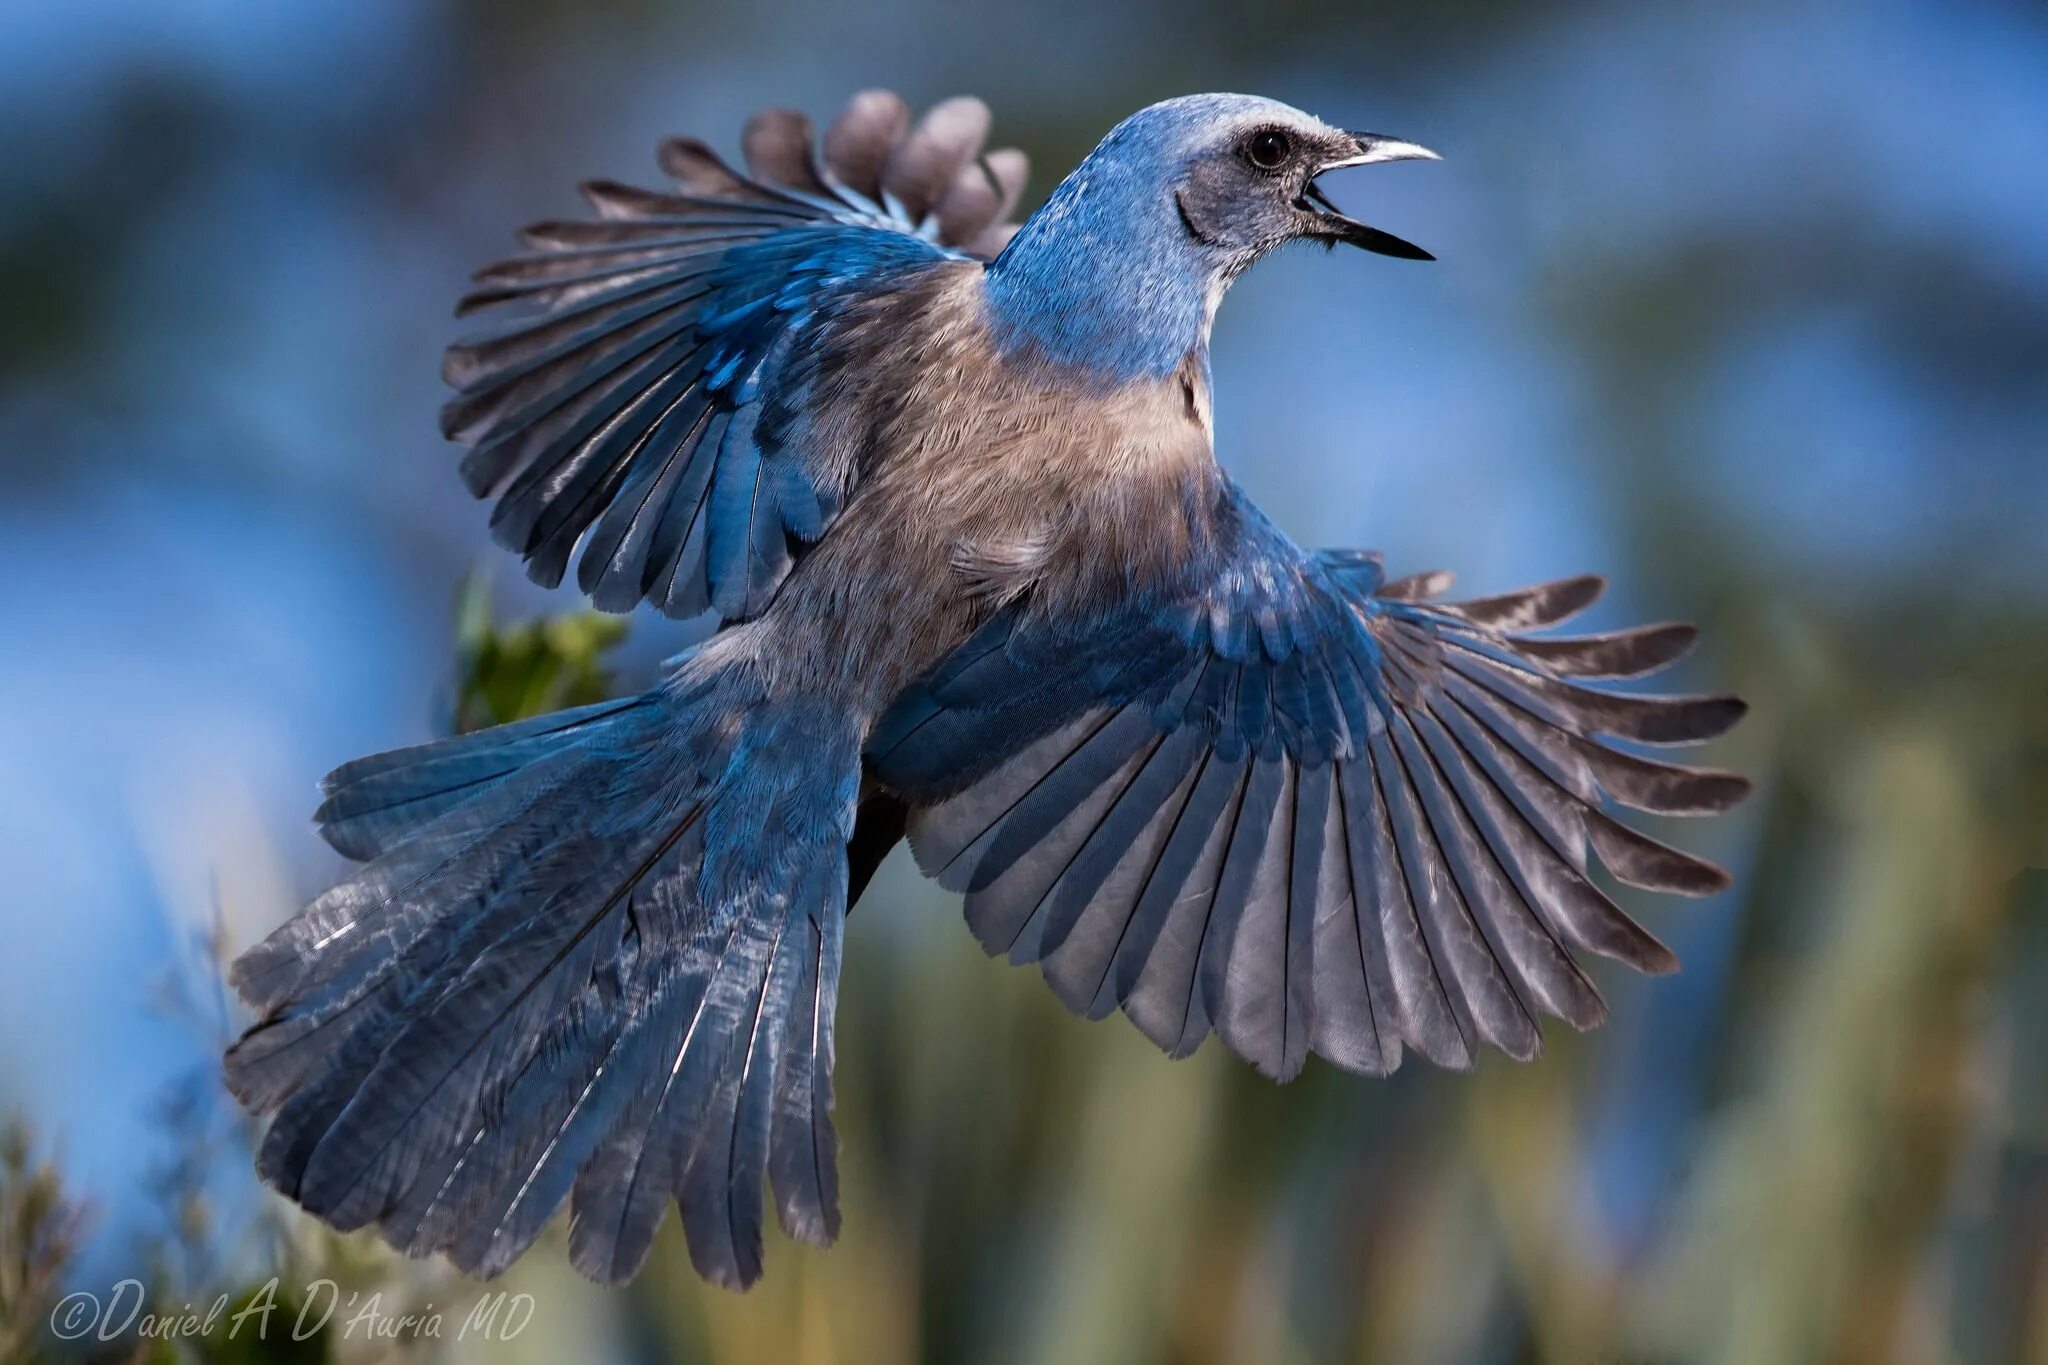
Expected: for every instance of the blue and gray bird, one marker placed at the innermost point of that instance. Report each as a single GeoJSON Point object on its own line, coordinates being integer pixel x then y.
{"type": "Point", "coordinates": [950, 490]}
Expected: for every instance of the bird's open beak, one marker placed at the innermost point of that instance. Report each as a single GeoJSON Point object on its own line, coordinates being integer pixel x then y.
{"type": "Point", "coordinates": [1333, 226]}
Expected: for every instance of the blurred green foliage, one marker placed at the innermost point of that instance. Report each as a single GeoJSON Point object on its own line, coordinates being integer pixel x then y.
{"type": "Point", "coordinates": [506, 672]}
{"type": "Point", "coordinates": [40, 1228]}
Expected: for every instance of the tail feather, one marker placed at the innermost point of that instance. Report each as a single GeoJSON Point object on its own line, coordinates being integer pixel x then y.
{"type": "Point", "coordinates": [357, 929]}
{"type": "Point", "coordinates": [572, 966]}
{"type": "Point", "coordinates": [377, 803]}
{"type": "Point", "coordinates": [803, 1157]}
{"type": "Point", "coordinates": [382, 945]}
{"type": "Point", "coordinates": [728, 1165]}
{"type": "Point", "coordinates": [510, 1179]}
{"type": "Point", "coordinates": [440, 1074]}
{"type": "Point", "coordinates": [623, 1192]}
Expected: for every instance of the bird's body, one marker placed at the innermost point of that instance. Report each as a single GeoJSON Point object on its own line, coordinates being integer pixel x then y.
{"type": "Point", "coordinates": [985, 585]}
{"type": "Point", "coordinates": [987, 479]}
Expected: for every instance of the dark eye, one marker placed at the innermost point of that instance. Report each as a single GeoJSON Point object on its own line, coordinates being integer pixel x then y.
{"type": "Point", "coordinates": [1268, 149]}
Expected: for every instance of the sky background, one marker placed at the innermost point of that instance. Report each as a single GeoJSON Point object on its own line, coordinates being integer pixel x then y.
{"type": "Point", "coordinates": [1744, 305]}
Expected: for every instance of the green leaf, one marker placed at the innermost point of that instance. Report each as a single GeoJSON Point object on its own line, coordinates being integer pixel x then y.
{"type": "Point", "coordinates": [509, 672]}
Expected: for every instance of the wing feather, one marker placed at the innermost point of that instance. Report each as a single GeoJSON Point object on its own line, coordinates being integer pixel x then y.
{"type": "Point", "coordinates": [1305, 808]}
{"type": "Point", "coordinates": [619, 406]}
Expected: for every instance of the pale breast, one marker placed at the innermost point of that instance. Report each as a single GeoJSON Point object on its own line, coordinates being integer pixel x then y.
{"type": "Point", "coordinates": [1036, 480]}
{"type": "Point", "coordinates": [985, 480]}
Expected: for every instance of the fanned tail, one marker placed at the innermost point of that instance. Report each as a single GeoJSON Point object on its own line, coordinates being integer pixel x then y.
{"type": "Point", "coordinates": [572, 964]}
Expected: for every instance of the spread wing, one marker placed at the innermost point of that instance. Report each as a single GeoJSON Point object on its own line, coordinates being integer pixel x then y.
{"type": "Point", "coordinates": [1307, 808]}
{"type": "Point", "coordinates": [648, 396]}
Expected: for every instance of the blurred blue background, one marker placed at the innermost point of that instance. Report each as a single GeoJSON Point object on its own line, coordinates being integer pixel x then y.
{"type": "Point", "coordinates": [1742, 304]}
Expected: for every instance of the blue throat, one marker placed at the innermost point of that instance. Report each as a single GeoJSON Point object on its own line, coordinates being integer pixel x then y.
{"type": "Point", "coordinates": [1105, 278]}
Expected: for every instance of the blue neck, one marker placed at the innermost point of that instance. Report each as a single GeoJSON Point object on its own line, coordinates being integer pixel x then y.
{"type": "Point", "coordinates": [1105, 278]}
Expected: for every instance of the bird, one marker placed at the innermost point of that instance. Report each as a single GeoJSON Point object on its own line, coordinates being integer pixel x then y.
{"type": "Point", "coordinates": [947, 485]}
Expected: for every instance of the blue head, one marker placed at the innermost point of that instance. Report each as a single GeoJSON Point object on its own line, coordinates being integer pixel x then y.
{"type": "Point", "coordinates": [1119, 273]}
